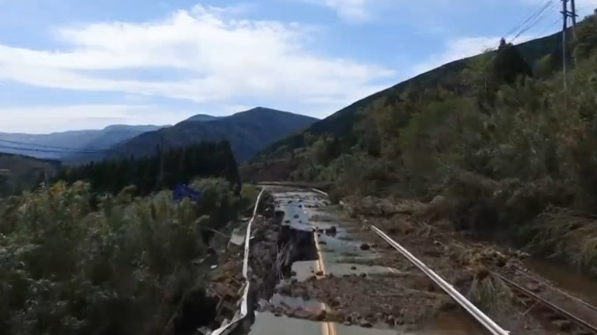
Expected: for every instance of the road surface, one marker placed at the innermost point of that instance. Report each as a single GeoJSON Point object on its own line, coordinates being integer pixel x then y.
{"type": "Point", "coordinates": [305, 211]}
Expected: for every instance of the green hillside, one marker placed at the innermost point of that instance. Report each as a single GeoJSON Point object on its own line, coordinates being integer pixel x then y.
{"type": "Point", "coordinates": [447, 76]}
{"type": "Point", "coordinates": [19, 173]}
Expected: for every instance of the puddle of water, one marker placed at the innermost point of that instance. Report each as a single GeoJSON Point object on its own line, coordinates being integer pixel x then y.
{"type": "Point", "coordinates": [293, 303]}
{"type": "Point", "coordinates": [304, 269]}
{"type": "Point", "coordinates": [336, 244]}
{"type": "Point", "coordinates": [583, 286]}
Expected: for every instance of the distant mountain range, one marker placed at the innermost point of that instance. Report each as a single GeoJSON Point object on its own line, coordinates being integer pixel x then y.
{"type": "Point", "coordinates": [61, 145]}
{"type": "Point", "coordinates": [248, 132]}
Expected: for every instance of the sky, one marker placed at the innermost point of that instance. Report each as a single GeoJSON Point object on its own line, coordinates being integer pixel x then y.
{"type": "Point", "coordinates": [73, 64]}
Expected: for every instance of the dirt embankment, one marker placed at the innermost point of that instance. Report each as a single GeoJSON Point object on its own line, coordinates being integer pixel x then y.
{"type": "Point", "coordinates": [473, 267]}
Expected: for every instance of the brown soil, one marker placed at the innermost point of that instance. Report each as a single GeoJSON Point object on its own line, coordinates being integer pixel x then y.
{"type": "Point", "coordinates": [368, 300]}
{"type": "Point", "coordinates": [462, 262]}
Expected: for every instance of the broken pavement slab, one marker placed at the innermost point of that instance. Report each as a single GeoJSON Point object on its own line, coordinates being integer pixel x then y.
{"type": "Point", "coordinates": [320, 276]}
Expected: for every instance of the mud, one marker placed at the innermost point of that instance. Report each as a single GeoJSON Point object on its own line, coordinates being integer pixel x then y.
{"type": "Point", "coordinates": [324, 288]}
{"type": "Point", "coordinates": [470, 265]}
{"type": "Point", "coordinates": [364, 300]}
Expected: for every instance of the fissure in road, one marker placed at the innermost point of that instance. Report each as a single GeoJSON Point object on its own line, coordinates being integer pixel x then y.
{"type": "Point", "coordinates": [326, 286]}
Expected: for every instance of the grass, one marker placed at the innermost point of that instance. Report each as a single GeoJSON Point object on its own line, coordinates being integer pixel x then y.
{"type": "Point", "coordinates": [491, 295]}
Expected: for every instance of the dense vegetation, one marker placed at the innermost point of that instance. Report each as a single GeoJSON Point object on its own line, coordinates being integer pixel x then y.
{"type": "Point", "coordinates": [511, 151]}
{"type": "Point", "coordinates": [19, 173]}
{"type": "Point", "coordinates": [105, 249]}
{"type": "Point", "coordinates": [164, 169]}
{"type": "Point", "coordinates": [120, 268]}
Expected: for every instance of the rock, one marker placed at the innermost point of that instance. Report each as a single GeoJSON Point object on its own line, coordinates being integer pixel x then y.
{"type": "Point", "coordinates": [363, 275]}
{"type": "Point", "coordinates": [353, 267]}
{"type": "Point", "coordinates": [378, 316]}
{"type": "Point", "coordinates": [321, 315]}
{"type": "Point", "coordinates": [336, 302]}
{"type": "Point", "coordinates": [365, 324]}
{"type": "Point", "coordinates": [296, 216]}
{"type": "Point", "coordinates": [365, 246]}
{"type": "Point", "coordinates": [285, 290]}
{"type": "Point", "coordinates": [390, 320]}
{"type": "Point", "coordinates": [331, 231]}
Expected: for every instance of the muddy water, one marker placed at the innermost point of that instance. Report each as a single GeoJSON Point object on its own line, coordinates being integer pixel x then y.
{"type": "Point", "coordinates": [304, 212]}
{"type": "Point", "coordinates": [581, 285]}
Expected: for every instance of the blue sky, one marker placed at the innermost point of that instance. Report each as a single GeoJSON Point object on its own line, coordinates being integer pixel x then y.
{"type": "Point", "coordinates": [72, 64]}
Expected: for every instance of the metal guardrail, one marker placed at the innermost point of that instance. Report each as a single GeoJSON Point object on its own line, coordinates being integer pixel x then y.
{"type": "Point", "coordinates": [244, 309]}
{"type": "Point", "coordinates": [483, 319]}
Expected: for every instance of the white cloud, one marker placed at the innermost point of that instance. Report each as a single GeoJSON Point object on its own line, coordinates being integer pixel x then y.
{"type": "Point", "coordinates": [354, 10]}
{"type": "Point", "coordinates": [226, 58]}
{"type": "Point", "coordinates": [45, 119]}
{"type": "Point", "coordinates": [458, 48]}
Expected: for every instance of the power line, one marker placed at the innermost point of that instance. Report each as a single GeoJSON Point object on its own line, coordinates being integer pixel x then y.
{"type": "Point", "coordinates": [50, 146]}
{"type": "Point", "coordinates": [547, 4]}
{"type": "Point", "coordinates": [546, 28]}
{"type": "Point", "coordinates": [49, 150]}
{"type": "Point", "coordinates": [536, 18]}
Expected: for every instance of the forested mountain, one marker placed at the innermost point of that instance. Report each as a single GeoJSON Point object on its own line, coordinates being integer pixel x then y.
{"type": "Point", "coordinates": [159, 170]}
{"type": "Point", "coordinates": [448, 76]}
{"type": "Point", "coordinates": [248, 132]}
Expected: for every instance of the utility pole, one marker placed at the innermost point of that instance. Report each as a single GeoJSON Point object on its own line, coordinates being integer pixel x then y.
{"type": "Point", "coordinates": [573, 14]}
{"type": "Point", "coordinates": [565, 15]}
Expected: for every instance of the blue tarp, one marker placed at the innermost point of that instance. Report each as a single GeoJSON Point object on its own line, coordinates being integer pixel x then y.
{"type": "Point", "coordinates": [182, 191]}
